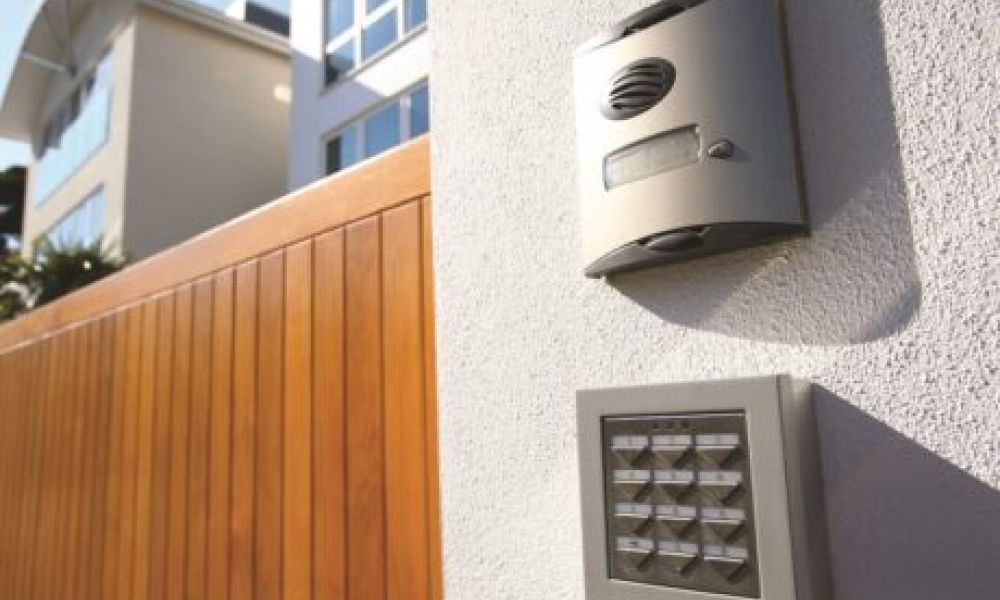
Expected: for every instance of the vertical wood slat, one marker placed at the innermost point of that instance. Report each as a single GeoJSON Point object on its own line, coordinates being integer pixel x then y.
{"type": "Point", "coordinates": [297, 498]}
{"type": "Point", "coordinates": [112, 518]}
{"type": "Point", "coordinates": [365, 417]}
{"type": "Point", "coordinates": [126, 511]}
{"type": "Point", "coordinates": [268, 459]}
{"type": "Point", "coordinates": [103, 430]}
{"type": "Point", "coordinates": [174, 585]}
{"type": "Point", "coordinates": [405, 467]}
{"type": "Point", "coordinates": [45, 551]}
{"type": "Point", "coordinates": [198, 436]}
{"type": "Point", "coordinates": [160, 484]}
{"type": "Point", "coordinates": [145, 419]}
{"type": "Point", "coordinates": [220, 439]}
{"type": "Point", "coordinates": [241, 517]}
{"type": "Point", "coordinates": [75, 409]}
{"type": "Point", "coordinates": [90, 357]}
{"type": "Point", "coordinates": [430, 398]}
{"type": "Point", "coordinates": [329, 423]}
{"type": "Point", "coordinates": [264, 432]}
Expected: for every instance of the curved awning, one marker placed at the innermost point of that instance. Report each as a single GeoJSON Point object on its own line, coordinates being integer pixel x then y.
{"type": "Point", "coordinates": [32, 44]}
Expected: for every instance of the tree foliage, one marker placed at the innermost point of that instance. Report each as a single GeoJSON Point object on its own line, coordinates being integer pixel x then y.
{"type": "Point", "coordinates": [54, 271]}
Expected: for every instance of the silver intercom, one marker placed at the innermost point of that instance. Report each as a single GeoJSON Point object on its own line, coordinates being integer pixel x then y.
{"type": "Point", "coordinates": [701, 491]}
{"type": "Point", "coordinates": [685, 134]}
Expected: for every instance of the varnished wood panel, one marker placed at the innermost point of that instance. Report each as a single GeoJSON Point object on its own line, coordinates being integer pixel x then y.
{"type": "Point", "coordinates": [296, 508]}
{"type": "Point", "coordinates": [144, 452]}
{"type": "Point", "coordinates": [268, 460]}
{"type": "Point", "coordinates": [250, 416]}
{"type": "Point", "coordinates": [329, 422]}
{"type": "Point", "coordinates": [365, 418]}
{"type": "Point", "coordinates": [220, 441]}
{"type": "Point", "coordinates": [160, 484]}
{"type": "Point", "coordinates": [201, 382]}
{"type": "Point", "coordinates": [180, 425]}
{"type": "Point", "coordinates": [241, 517]}
{"type": "Point", "coordinates": [392, 179]}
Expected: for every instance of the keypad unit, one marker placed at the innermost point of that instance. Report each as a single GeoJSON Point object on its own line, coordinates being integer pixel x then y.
{"type": "Point", "coordinates": [679, 502]}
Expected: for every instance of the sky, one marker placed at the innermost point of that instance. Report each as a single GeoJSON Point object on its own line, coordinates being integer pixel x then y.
{"type": "Point", "coordinates": [11, 16]}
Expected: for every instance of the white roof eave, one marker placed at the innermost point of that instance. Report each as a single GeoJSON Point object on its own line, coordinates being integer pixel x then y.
{"type": "Point", "coordinates": [24, 15]}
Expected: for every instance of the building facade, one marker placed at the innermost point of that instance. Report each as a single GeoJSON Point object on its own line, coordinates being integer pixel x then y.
{"type": "Point", "coordinates": [150, 121]}
{"type": "Point", "coordinates": [360, 82]}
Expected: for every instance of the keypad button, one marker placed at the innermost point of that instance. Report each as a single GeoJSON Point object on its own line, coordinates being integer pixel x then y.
{"type": "Point", "coordinates": [723, 522]}
{"type": "Point", "coordinates": [721, 485]}
{"type": "Point", "coordinates": [634, 552]}
{"type": "Point", "coordinates": [676, 483]}
{"type": "Point", "coordinates": [630, 448]}
{"type": "Point", "coordinates": [719, 448]}
{"type": "Point", "coordinates": [633, 517]}
{"type": "Point", "coordinates": [729, 561]}
{"type": "Point", "coordinates": [677, 518]}
{"type": "Point", "coordinates": [633, 484]}
{"type": "Point", "coordinates": [675, 556]}
{"type": "Point", "coordinates": [671, 450]}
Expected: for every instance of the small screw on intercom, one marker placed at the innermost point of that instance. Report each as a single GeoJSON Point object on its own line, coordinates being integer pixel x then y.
{"type": "Point", "coordinates": [721, 149]}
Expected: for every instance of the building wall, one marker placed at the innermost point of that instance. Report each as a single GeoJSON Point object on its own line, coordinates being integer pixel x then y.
{"type": "Point", "coordinates": [209, 130]}
{"type": "Point", "coordinates": [319, 110]}
{"type": "Point", "coordinates": [891, 306]}
{"type": "Point", "coordinates": [110, 29]}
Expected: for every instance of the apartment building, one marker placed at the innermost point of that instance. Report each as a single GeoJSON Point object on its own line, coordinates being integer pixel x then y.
{"type": "Point", "coordinates": [150, 120]}
{"type": "Point", "coordinates": [360, 82]}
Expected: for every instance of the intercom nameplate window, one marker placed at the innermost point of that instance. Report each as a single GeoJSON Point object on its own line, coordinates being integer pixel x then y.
{"type": "Point", "coordinates": [679, 501]}
{"type": "Point", "coordinates": [702, 491]}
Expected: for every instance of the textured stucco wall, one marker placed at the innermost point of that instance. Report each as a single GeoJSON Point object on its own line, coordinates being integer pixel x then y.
{"type": "Point", "coordinates": [892, 306]}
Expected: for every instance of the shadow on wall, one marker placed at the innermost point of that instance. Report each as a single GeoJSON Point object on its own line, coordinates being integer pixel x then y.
{"type": "Point", "coordinates": [903, 523]}
{"type": "Point", "coordinates": [855, 279]}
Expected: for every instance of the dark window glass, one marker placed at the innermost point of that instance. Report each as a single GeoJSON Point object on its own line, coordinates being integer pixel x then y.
{"type": "Point", "coordinates": [419, 112]}
{"type": "Point", "coordinates": [340, 61]}
{"type": "Point", "coordinates": [382, 130]}
{"type": "Point", "coordinates": [267, 18]}
{"type": "Point", "coordinates": [371, 5]}
{"type": "Point", "coordinates": [339, 17]}
{"type": "Point", "coordinates": [379, 35]}
{"type": "Point", "coordinates": [416, 13]}
{"type": "Point", "coordinates": [342, 151]}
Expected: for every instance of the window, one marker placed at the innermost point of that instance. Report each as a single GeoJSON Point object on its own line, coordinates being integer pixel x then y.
{"type": "Point", "coordinates": [358, 30]}
{"type": "Point", "coordinates": [382, 130]}
{"type": "Point", "coordinates": [77, 129]}
{"type": "Point", "coordinates": [420, 116]}
{"type": "Point", "coordinates": [82, 226]}
{"type": "Point", "coordinates": [402, 119]}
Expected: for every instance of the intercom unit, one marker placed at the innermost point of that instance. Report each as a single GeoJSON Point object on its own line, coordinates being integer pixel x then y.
{"type": "Point", "coordinates": [685, 134]}
{"type": "Point", "coordinates": [702, 491]}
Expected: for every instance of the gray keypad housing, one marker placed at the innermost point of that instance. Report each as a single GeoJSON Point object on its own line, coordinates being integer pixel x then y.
{"type": "Point", "coordinates": [679, 502]}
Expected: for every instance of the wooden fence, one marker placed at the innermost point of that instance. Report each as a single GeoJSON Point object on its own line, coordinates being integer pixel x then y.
{"type": "Point", "coordinates": [249, 415]}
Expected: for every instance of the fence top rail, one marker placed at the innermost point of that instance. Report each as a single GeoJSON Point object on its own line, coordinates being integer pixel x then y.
{"type": "Point", "coordinates": [389, 180]}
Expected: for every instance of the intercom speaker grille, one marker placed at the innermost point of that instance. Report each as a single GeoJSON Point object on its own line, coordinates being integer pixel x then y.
{"type": "Point", "coordinates": [637, 87]}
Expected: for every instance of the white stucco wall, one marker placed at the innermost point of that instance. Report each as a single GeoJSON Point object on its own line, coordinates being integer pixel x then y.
{"type": "Point", "coordinates": [892, 306]}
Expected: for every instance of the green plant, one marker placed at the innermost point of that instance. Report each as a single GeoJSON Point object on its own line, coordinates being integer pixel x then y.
{"type": "Point", "coordinates": [54, 271]}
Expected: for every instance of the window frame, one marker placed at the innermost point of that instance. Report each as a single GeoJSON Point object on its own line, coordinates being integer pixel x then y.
{"type": "Point", "coordinates": [403, 99]}
{"type": "Point", "coordinates": [355, 35]}
{"type": "Point", "coordinates": [97, 192]}
{"type": "Point", "coordinates": [81, 92]}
